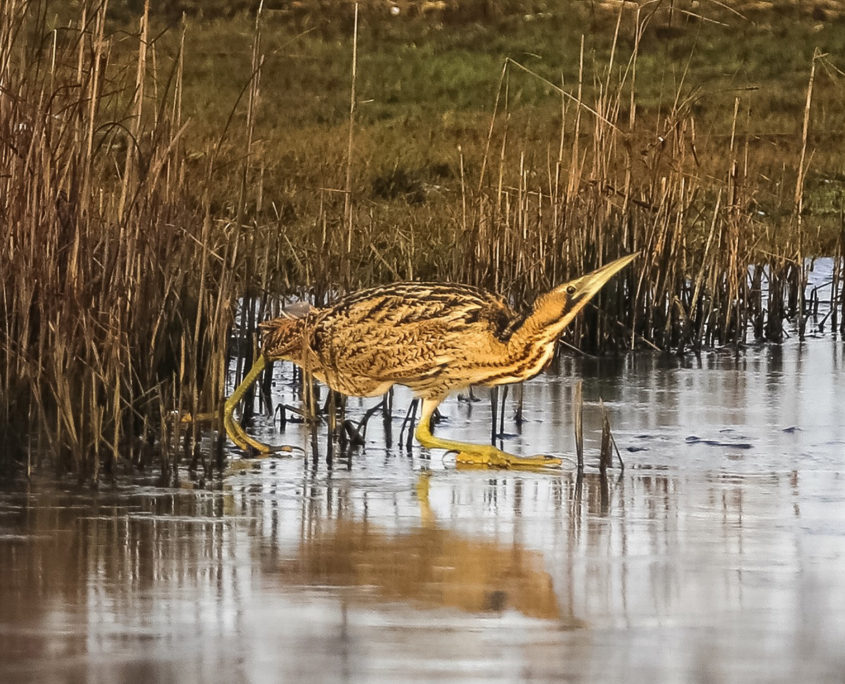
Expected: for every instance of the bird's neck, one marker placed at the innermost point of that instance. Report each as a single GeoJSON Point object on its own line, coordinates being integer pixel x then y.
{"type": "Point", "coordinates": [549, 317]}
{"type": "Point", "coordinates": [532, 344]}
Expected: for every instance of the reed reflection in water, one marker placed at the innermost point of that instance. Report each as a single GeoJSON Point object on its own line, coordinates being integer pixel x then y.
{"type": "Point", "coordinates": [703, 561]}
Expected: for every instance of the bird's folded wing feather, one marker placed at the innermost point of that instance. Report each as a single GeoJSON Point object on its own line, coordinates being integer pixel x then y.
{"type": "Point", "coordinates": [406, 332]}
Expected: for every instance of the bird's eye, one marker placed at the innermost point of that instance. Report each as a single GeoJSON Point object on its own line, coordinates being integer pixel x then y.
{"type": "Point", "coordinates": [571, 289]}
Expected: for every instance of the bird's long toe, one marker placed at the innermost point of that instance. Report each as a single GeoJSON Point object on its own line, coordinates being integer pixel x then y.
{"type": "Point", "coordinates": [490, 456]}
{"type": "Point", "coordinates": [538, 461]}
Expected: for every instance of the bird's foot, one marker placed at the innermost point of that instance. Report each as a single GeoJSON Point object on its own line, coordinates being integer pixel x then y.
{"type": "Point", "coordinates": [252, 446]}
{"type": "Point", "coordinates": [235, 432]}
{"type": "Point", "coordinates": [490, 456]}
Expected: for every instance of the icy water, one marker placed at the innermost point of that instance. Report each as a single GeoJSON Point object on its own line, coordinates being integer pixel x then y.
{"type": "Point", "coordinates": [718, 554]}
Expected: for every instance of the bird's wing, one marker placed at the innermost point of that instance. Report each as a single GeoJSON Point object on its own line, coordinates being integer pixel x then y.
{"type": "Point", "coordinates": [407, 332]}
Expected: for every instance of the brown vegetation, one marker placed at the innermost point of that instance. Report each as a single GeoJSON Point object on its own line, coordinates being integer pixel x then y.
{"type": "Point", "coordinates": [116, 299]}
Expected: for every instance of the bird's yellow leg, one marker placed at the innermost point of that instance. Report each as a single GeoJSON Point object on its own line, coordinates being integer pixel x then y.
{"type": "Point", "coordinates": [236, 432]}
{"type": "Point", "coordinates": [478, 454]}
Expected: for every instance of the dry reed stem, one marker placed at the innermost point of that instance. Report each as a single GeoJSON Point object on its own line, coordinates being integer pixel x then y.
{"type": "Point", "coordinates": [347, 197]}
{"type": "Point", "coordinates": [578, 412]}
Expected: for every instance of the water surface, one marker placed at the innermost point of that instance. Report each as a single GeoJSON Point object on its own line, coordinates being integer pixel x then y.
{"type": "Point", "coordinates": [718, 554]}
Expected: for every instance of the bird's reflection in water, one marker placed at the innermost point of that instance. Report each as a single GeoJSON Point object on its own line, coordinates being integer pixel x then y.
{"type": "Point", "coordinates": [428, 567]}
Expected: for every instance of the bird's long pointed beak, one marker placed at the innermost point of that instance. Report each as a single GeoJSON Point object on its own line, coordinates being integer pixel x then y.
{"type": "Point", "coordinates": [588, 285]}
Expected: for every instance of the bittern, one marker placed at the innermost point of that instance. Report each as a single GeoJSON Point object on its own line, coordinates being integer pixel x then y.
{"type": "Point", "coordinates": [431, 337]}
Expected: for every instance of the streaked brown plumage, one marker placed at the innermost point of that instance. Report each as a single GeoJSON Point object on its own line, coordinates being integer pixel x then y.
{"type": "Point", "coordinates": [431, 337]}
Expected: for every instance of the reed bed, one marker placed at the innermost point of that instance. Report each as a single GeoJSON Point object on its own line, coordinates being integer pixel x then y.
{"type": "Point", "coordinates": [114, 292]}
{"type": "Point", "coordinates": [122, 264]}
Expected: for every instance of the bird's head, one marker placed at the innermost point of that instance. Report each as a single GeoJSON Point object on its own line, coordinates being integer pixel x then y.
{"type": "Point", "coordinates": [558, 307]}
